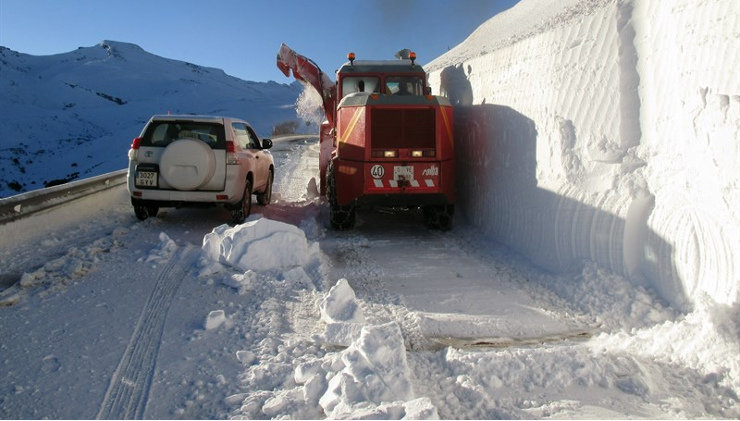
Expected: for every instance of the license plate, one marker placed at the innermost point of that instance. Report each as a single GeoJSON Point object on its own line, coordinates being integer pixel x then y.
{"type": "Point", "coordinates": [146, 179]}
{"type": "Point", "coordinates": [403, 173]}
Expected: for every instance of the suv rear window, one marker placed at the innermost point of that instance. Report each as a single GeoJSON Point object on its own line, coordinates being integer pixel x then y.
{"type": "Point", "coordinates": [162, 133]}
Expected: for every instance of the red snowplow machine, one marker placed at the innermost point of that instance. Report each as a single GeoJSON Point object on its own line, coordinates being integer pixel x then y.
{"type": "Point", "coordinates": [386, 141]}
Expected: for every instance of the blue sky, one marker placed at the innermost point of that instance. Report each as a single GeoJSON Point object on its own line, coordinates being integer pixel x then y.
{"type": "Point", "coordinates": [242, 37]}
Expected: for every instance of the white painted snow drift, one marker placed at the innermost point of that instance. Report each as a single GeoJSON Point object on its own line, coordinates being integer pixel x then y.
{"type": "Point", "coordinates": [605, 131]}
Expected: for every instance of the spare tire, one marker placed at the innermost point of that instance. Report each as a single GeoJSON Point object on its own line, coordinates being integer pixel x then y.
{"type": "Point", "coordinates": [187, 164]}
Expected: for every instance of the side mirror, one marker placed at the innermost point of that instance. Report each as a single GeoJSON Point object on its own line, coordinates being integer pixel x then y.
{"type": "Point", "coordinates": [266, 143]}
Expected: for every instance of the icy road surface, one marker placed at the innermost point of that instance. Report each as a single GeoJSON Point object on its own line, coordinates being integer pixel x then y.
{"type": "Point", "coordinates": [104, 316]}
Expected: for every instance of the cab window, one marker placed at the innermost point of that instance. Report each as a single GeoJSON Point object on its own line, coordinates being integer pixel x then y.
{"type": "Point", "coordinates": [404, 85]}
{"type": "Point", "coordinates": [353, 84]}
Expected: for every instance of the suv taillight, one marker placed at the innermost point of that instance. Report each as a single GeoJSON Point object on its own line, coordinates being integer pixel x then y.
{"type": "Point", "coordinates": [231, 157]}
{"type": "Point", "coordinates": [133, 153]}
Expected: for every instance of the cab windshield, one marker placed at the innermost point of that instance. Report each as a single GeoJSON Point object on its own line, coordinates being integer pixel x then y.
{"type": "Point", "coordinates": [404, 85]}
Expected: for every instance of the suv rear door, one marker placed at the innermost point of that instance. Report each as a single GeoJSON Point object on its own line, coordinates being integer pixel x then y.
{"type": "Point", "coordinates": [176, 149]}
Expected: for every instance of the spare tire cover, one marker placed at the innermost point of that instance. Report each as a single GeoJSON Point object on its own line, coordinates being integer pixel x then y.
{"type": "Point", "coordinates": [187, 164]}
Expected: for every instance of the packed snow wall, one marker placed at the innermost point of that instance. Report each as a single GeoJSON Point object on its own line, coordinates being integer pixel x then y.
{"type": "Point", "coordinates": [605, 131]}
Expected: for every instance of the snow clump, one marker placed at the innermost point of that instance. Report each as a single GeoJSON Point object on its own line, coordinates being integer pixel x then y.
{"type": "Point", "coordinates": [215, 319]}
{"type": "Point", "coordinates": [260, 244]}
{"type": "Point", "coordinates": [340, 305]}
{"type": "Point", "coordinates": [342, 314]}
{"type": "Point", "coordinates": [163, 251]}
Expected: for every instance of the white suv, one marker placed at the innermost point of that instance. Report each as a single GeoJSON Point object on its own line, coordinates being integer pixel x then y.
{"type": "Point", "coordinates": [187, 160]}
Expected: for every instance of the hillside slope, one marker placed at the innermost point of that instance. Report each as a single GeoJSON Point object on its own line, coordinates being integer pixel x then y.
{"type": "Point", "coordinates": [73, 115]}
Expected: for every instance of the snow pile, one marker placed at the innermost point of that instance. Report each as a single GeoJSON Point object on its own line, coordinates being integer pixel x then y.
{"type": "Point", "coordinates": [705, 340]}
{"type": "Point", "coordinates": [572, 383]}
{"type": "Point", "coordinates": [56, 273]}
{"type": "Point", "coordinates": [259, 244]}
{"type": "Point", "coordinates": [291, 373]}
{"type": "Point", "coordinates": [242, 282]}
{"type": "Point", "coordinates": [605, 131]}
{"type": "Point", "coordinates": [374, 380]}
{"type": "Point", "coordinates": [614, 302]}
{"type": "Point", "coordinates": [370, 379]}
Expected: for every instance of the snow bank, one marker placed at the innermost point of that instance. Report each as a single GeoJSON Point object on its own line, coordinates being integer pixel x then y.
{"type": "Point", "coordinates": [705, 340]}
{"type": "Point", "coordinates": [605, 131]}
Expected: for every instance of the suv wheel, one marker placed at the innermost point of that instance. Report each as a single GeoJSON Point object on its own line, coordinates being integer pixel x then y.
{"type": "Point", "coordinates": [152, 210]}
{"type": "Point", "coordinates": [143, 210]}
{"type": "Point", "coordinates": [244, 207]}
{"type": "Point", "coordinates": [265, 197]}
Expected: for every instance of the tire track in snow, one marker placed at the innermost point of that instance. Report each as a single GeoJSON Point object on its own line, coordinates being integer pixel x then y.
{"type": "Point", "coordinates": [128, 390]}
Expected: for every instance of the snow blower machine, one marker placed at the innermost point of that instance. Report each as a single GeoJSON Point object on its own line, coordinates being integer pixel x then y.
{"type": "Point", "coordinates": [386, 141]}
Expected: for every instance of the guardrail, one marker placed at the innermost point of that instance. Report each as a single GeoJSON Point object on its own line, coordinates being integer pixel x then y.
{"type": "Point", "coordinates": [24, 204]}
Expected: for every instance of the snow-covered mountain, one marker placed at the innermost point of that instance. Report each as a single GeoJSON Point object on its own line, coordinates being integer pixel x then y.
{"type": "Point", "coordinates": [73, 115]}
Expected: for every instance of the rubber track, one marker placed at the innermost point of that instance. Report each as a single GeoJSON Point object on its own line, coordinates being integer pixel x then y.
{"type": "Point", "coordinates": [128, 390]}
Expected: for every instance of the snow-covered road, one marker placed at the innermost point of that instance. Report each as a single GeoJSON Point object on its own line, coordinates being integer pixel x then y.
{"type": "Point", "coordinates": [109, 317]}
